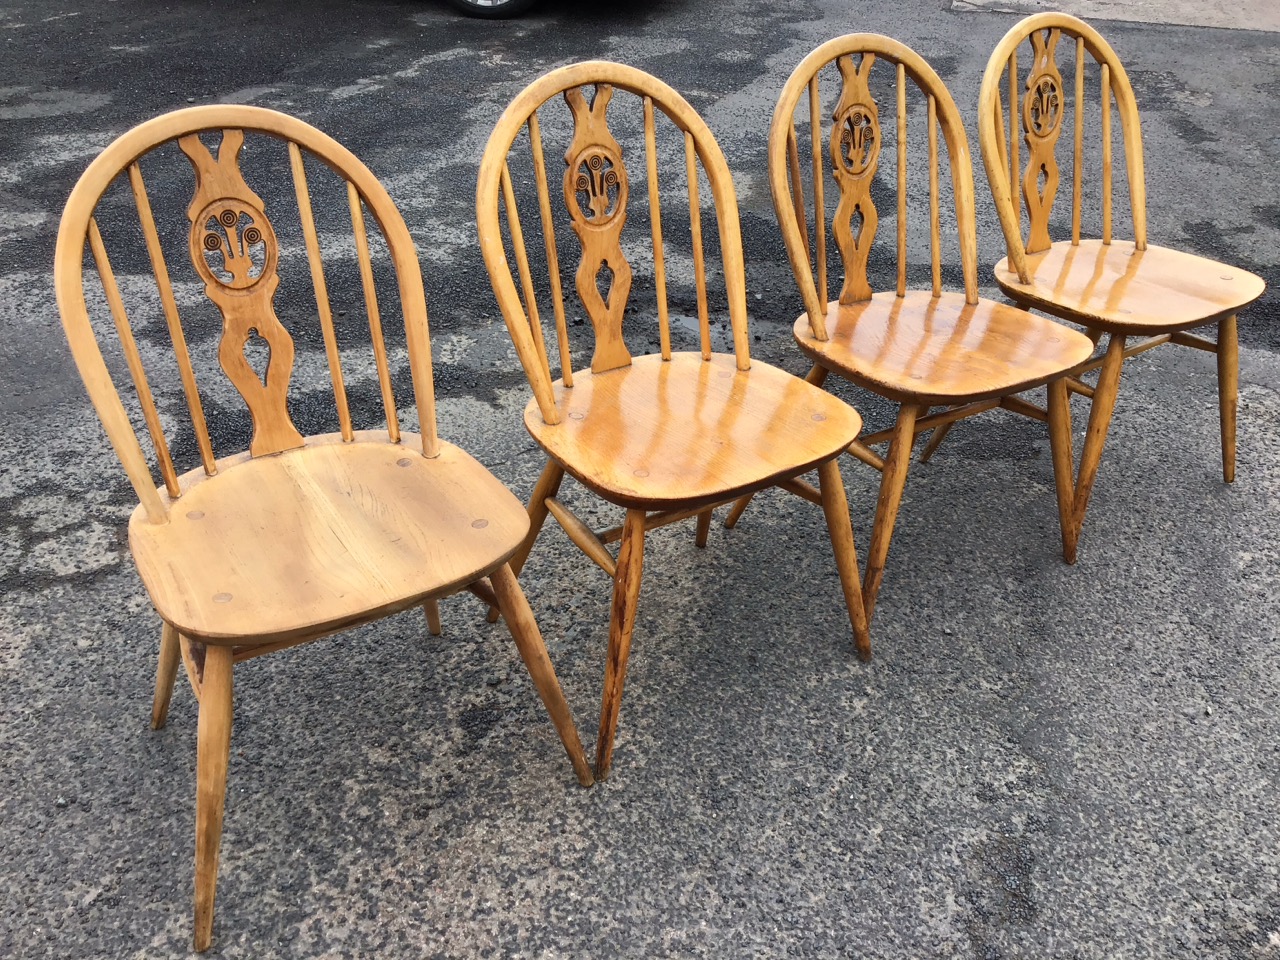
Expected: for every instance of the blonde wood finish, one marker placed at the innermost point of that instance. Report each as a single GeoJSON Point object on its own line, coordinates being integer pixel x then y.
{"type": "Point", "coordinates": [1060, 449]}
{"type": "Point", "coordinates": [668, 436]}
{"type": "Point", "coordinates": [622, 622]}
{"type": "Point", "coordinates": [582, 535]}
{"type": "Point", "coordinates": [253, 553]}
{"type": "Point", "coordinates": [528, 638]}
{"type": "Point", "coordinates": [166, 674]}
{"type": "Point", "coordinates": [213, 750]}
{"type": "Point", "coordinates": [941, 350]}
{"type": "Point", "coordinates": [835, 506]}
{"type": "Point", "coordinates": [1228, 390]}
{"type": "Point", "coordinates": [1121, 287]}
{"type": "Point", "coordinates": [661, 433]}
{"type": "Point", "coordinates": [432, 610]}
{"type": "Point", "coordinates": [919, 348]}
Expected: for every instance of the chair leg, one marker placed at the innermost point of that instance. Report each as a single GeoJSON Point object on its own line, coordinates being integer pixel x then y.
{"type": "Point", "coordinates": [1228, 391]}
{"type": "Point", "coordinates": [626, 594]}
{"type": "Point", "coordinates": [897, 462]}
{"type": "Point", "coordinates": [704, 528]}
{"type": "Point", "coordinates": [935, 441]}
{"type": "Point", "coordinates": [739, 508]}
{"type": "Point", "coordinates": [1063, 469]}
{"type": "Point", "coordinates": [528, 638]}
{"type": "Point", "coordinates": [166, 674]}
{"type": "Point", "coordinates": [213, 750]}
{"type": "Point", "coordinates": [835, 504]}
{"type": "Point", "coordinates": [548, 485]}
{"type": "Point", "coordinates": [1104, 403]}
{"type": "Point", "coordinates": [432, 609]}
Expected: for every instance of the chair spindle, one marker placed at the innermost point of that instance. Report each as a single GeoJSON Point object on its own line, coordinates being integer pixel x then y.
{"type": "Point", "coordinates": [371, 307]}
{"type": "Point", "coordinates": [819, 203]}
{"type": "Point", "coordinates": [549, 241]}
{"type": "Point", "coordinates": [935, 220]}
{"type": "Point", "coordinates": [655, 220]}
{"type": "Point", "coordinates": [695, 226]}
{"type": "Point", "coordinates": [1106, 153]}
{"type": "Point", "coordinates": [1077, 169]}
{"type": "Point", "coordinates": [902, 180]}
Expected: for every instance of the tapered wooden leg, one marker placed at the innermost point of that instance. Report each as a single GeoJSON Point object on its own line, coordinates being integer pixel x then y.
{"type": "Point", "coordinates": [432, 609]}
{"type": "Point", "coordinates": [897, 462]}
{"type": "Point", "coordinates": [704, 528]}
{"type": "Point", "coordinates": [1063, 467]}
{"type": "Point", "coordinates": [528, 638]}
{"type": "Point", "coordinates": [626, 594]}
{"type": "Point", "coordinates": [1104, 403]}
{"type": "Point", "coordinates": [817, 375]}
{"type": "Point", "coordinates": [835, 504]}
{"type": "Point", "coordinates": [166, 674]}
{"type": "Point", "coordinates": [935, 440]}
{"type": "Point", "coordinates": [548, 485]}
{"type": "Point", "coordinates": [739, 508]}
{"type": "Point", "coordinates": [213, 749]}
{"type": "Point", "coordinates": [1228, 391]}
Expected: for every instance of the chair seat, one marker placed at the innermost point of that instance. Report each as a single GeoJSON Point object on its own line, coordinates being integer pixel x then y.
{"type": "Point", "coordinates": [689, 431]}
{"type": "Point", "coordinates": [1118, 288]}
{"type": "Point", "coordinates": [324, 536]}
{"type": "Point", "coordinates": [922, 349]}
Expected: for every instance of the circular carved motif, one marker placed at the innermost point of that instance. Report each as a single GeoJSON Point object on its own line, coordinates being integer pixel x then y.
{"type": "Point", "coordinates": [597, 187]}
{"type": "Point", "coordinates": [858, 145]}
{"type": "Point", "coordinates": [1042, 107]}
{"type": "Point", "coordinates": [232, 244]}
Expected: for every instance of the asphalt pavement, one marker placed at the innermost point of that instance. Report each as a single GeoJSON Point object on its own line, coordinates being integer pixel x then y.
{"type": "Point", "coordinates": [1042, 761]}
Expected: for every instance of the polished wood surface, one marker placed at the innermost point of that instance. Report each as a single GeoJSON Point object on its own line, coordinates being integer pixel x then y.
{"type": "Point", "coordinates": [297, 537]}
{"type": "Point", "coordinates": [669, 436]}
{"type": "Point", "coordinates": [660, 433]}
{"type": "Point", "coordinates": [374, 527]}
{"type": "Point", "coordinates": [1120, 289]}
{"type": "Point", "coordinates": [921, 349]}
{"type": "Point", "coordinates": [1123, 288]}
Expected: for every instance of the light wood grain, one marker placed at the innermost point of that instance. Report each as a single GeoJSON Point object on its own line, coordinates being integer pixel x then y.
{"type": "Point", "coordinates": [661, 433]}
{"type": "Point", "coordinates": [669, 436]}
{"type": "Point", "coordinates": [1228, 391]}
{"type": "Point", "coordinates": [298, 537]}
{"type": "Point", "coordinates": [920, 348]}
{"type": "Point", "coordinates": [1116, 287]}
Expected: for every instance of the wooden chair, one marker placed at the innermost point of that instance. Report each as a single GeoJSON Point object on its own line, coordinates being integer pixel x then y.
{"type": "Point", "coordinates": [668, 435]}
{"type": "Point", "coordinates": [919, 348]}
{"type": "Point", "coordinates": [1125, 289]}
{"type": "Point", "coordinates": [298, 537]}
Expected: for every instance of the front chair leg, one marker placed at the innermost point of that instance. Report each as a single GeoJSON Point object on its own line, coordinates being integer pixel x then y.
{"type": "Point", "coordinates": [432, 609]}
{"type": "Point", "coordinates": [548, 485]}
{"type": "Point", "coordinates": [166, 674]}
{"type": "Point", "coordinates": [704, 528]}
{"type": "Point", "coordinates": [1060, 449]}
{"type": "Point", "coordinates": [1104, 404]}
{"type": "Point", "coordinates": [897, 462]}
{"type": "Point", "coordinates": [528, 638]}
{"type": "Point", "coordinates": [213, 750]}
{"type": "Point", "coordinates": [626, 594]}
{"type": "Point", "coordinates": [1228, 391]}
{"type": "Point", "coordinates": [835, 504]}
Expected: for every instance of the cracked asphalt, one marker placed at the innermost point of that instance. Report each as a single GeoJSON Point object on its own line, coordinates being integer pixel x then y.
{"type": "Point", "coordinates": [1042, 761]}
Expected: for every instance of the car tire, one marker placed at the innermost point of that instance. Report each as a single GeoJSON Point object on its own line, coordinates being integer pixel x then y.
{"type": "Point", "coordinates": [492, 9]}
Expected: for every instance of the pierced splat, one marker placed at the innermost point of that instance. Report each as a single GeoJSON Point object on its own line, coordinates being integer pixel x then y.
{"type": "Point", "coordinates": [1041, 124]}
{"type": "Point", "coordinates": [234, 250]}
{"type": "Point", "coordinates": [595, 191]}
{"type": "Point", "coordinates": [855, 156]}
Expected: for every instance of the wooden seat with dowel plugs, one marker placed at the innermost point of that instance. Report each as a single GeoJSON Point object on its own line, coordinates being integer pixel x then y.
{"type": "Point", "coordinates": [300, 536]}
{"type": "Point", "coordinates": [666, 436]}
{"type": "Point", "coordinates": [919, 348]}
{"type": "Point", "coordinates": [1138, 294]}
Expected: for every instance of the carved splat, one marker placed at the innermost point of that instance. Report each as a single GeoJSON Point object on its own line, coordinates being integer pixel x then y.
{"type": "Point", "coordinates": [234, 250]}
{"type": "Point", "coordinates": [1041, 124]}
{"type": "Point", "coordinates": [595, 191]}
{"type": "Point", "coordinates": [855, 155]}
